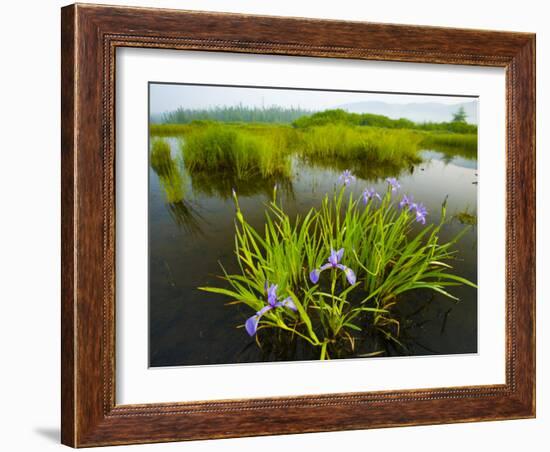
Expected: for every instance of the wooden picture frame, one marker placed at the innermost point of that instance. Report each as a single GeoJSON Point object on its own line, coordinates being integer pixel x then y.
{"type": "Point", "coordinates": [90, 36]}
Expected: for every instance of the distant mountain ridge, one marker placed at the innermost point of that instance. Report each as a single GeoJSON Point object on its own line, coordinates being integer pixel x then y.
{"type": "Point", "coordinates": [417, 112]}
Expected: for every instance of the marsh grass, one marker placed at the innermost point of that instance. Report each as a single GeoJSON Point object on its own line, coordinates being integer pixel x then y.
{"type": "Point", "coordinates": [389, 257]}
{"type": "Point", "coordinates": [238, 150]}
{"type": "Point", "coordinates": [248, 151]}
{"type": "Point", "coordinates": [344, 143]}
{"type": "Point", "coordinates": [252, 150]}
{"type": "Point", "coordinates": [451, 142]}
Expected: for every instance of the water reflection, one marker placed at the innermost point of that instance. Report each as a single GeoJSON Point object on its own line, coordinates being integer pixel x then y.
{"type": "Point", "coordinates": [361, 168]}
{"type": "Point", "coordinates": [169, 169]}
{"type": "Point", "coordinates": [221, 184]}
{"type": "Point", "coordinates": [448, 156]}
{"type": "Point", "coordinates": [174, 180]}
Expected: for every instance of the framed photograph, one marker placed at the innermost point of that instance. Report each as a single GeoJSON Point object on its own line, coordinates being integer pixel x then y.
{"type": "Point", "coordinates": [321, 225]}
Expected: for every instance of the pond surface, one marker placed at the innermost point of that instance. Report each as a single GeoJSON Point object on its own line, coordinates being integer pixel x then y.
{"type": "Point", "coordinates": [189, 239]}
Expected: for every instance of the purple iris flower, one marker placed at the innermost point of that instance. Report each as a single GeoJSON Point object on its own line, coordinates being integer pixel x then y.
{"type": "Point", "coordinates": [346, 178]}
{"type": "Point", "coordinates": [407, 201]}
{"type": "Point", "coordinates": [418, 208]}
{"type": "Point", "coordinates": [370, 193]}
{"type": "Point", "coordinates": [251, 324]}
{"type": "Point", "coordinates": [333, 262]}
{"type": "Point", "coordinates": [421, 213]}
{"type": "Point", "coordinates": [394, 183]}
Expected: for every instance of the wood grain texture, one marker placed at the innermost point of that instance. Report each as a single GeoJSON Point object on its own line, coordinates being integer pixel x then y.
{"type": "Point", "coordinates": [68, 310]}
{"type": "Point", "coordinates": [90, 36]}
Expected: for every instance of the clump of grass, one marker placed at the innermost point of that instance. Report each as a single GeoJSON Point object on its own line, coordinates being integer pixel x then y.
{"type": "Point", "coordinates": [381, 258]}
{"type": "Point", "coordinates": [161, 157]}
{"type": "Point", "coordinates": [341, 142]}
{"type": "Point", "coordinates": [238, 151]}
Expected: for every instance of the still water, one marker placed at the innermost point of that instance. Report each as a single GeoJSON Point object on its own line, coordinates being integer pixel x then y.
{"type": "Point", "coordinates": [189, 239]}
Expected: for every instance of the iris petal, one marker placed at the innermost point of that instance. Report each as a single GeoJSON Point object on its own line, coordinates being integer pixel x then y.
{"type": "Point", "coordinates": [288, 303]}
{"type": "Point", "coordinates": [272, 294]}
{"type": "Point", "coordinates": [251, 324]}
{"type": "Point", "coordinates": [314, 276]}
{"type": "Point", "coordinates": [349, 273]}
{"type": "Point", "coordinates": [333, 258]}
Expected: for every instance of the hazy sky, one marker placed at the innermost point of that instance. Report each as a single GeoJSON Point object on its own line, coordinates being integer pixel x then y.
{"type": "Point", "coordinates": [166, 97]}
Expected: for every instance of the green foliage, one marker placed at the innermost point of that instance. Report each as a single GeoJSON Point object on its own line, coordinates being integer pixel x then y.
{"type": "Point", "coordinates": [389, 255]}
{"type": "Point", "coordinates": [357, 119]}
{"type": "Point", "coordinates": [460, 115]}
{"type": "Point", "coordinates": [327, 117]}
{"type": "Point", "coordinates": [368, 119]}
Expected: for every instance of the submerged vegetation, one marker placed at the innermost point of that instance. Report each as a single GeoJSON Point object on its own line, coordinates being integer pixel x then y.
{"type": "Point", "coordinates": [334, 275]}
{"type": "Point", "coordinates": [466, 217]}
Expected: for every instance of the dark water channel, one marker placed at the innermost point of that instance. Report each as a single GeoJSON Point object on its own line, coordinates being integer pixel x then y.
{"type": "Point", "coordinates": [188, 239]}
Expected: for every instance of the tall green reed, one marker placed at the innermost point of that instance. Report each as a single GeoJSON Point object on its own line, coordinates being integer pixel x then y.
{"type": "Point", "coordinates": [236, 150]}
{"type": "Point", "coordinates": [355, 143]}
